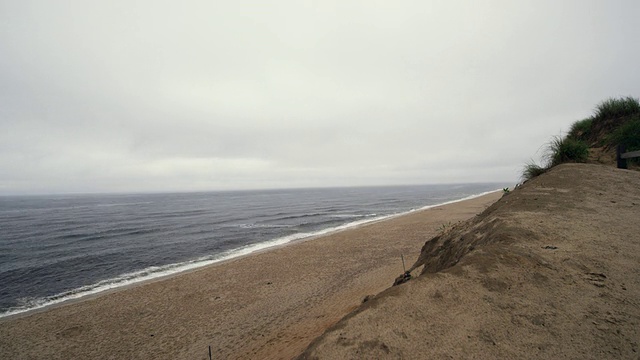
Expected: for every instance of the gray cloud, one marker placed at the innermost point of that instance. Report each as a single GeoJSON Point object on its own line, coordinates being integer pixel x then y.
{"type": "Point", "coordinates": [148, 96]}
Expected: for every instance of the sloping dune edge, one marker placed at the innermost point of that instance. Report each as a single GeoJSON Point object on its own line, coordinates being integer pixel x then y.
{"type": "Point", "coordinates": [549, 271]}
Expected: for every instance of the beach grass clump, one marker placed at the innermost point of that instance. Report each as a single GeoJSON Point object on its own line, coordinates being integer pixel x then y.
{"type": "Point", "coordinates": [581, 129]}
{"type": "Point", "coordinates": [531, 170]}
{"type": "Point", "coordinates": [446, 227]}
{"type": "Point", "coordinates": [617, 107]}
{"type": "Point", "coordinates": [563, 150]}
{"type": "Point", "coordinates": [559, 151]}
{"type": "Point", "coordinates": [628, 134]}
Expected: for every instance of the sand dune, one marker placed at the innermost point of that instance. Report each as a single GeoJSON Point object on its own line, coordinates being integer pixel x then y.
{"type": "Point", "coordinates": [551, 270]}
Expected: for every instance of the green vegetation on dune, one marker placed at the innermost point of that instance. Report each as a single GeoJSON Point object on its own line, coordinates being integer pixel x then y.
{"type": "Point", "coordinates": [580, 130]}
{"type": "Point", "coordinates": [531, 170]}
{"type": "Point", "coordinates": [616, 121]}
{"type": "Point", "coordinates": [628, 134]}
{"type": "Point", "coordinates": [562, 150]}
{"type": "Point", "coordinates": [614, 108]}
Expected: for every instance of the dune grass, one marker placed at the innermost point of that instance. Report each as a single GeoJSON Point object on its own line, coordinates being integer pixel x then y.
{"type": "Point", "coordinates": [581, 129]}
{"type": "Point", "coordinates": [628, 134]}
{"type": "Point", "coordinates": [531, 170]}
{"type": "Point", "coordinates": [558, 151]}
{"type": "Point", "coordinates": [562, 150]}
{"type": "Point", "coordinates": [617, 107]}
{"type": "Point", "coordinates": [616, 121]}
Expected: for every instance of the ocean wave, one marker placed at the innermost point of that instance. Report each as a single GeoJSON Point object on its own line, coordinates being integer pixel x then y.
{"type": "Point", "coordinates": [254, 225]}
{"type": "Point", "coordinates": [349, 216]}
{"type": "Point", "coordinates": [98, 234]}
{"type": "Point", "coordinates": [301, 216]}
{"type": "Point", "coordinates": [125, 204]}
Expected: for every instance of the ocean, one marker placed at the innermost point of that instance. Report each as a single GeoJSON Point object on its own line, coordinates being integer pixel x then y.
{"type": "Point", "coordinates": [61, 247]}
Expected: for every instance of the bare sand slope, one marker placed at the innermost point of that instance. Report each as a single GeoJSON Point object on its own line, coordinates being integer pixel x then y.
{"type": "Point", "coordinates": [265, 306]}
{"type": "Point", "coordinates": [552, 270]}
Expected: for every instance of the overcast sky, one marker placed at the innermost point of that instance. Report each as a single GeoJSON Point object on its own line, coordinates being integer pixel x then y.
{"type": "Point", "coordinates": [130, 96]}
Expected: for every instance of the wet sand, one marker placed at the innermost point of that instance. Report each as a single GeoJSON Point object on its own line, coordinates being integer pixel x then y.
{"type": "Point", "coordinates": [269, 305]}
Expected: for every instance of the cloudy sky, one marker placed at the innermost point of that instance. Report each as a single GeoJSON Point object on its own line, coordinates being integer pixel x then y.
{"type": "Point", "coordinates": [130, 96]}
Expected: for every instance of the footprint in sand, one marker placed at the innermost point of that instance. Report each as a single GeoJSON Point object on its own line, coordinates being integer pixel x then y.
{"type": "Point", "coordinates": [596, 279]}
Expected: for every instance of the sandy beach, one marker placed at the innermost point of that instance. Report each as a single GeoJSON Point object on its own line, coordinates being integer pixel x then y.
{"type": "Point", "coordinates": [270, 305]}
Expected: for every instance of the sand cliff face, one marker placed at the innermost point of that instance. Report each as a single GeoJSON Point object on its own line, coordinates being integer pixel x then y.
{"type": "Point", "coordinates": [552, 270]}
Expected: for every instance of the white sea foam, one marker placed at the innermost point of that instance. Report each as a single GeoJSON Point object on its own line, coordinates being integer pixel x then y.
{"type": "Point", "coordinates": [154, 272]}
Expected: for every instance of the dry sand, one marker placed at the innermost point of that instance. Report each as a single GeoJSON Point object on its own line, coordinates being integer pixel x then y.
{"type": "Point", "coordinates": [264, 306]}
{"type": "Point", "coordinates": [551, 271]}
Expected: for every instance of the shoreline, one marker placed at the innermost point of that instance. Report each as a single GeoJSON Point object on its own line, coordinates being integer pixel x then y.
{"type": "Point", "coordinates": [271, 304]}
{"type": "Point", "coordinates": [178, 269]}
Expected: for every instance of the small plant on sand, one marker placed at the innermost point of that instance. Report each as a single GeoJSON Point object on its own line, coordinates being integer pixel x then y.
{"type": "Point", "coordinates": [562, 150]}
{"type": "Point", "coordinates": [617, 107]}
{"type": "Point", "coordinates": [505, 191]}
{"type": "Point", "coordinates": [446, 227]}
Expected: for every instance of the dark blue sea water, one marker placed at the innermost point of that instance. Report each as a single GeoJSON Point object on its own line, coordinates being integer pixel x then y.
{"type": "Point", "coordinates": [55, 248]}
